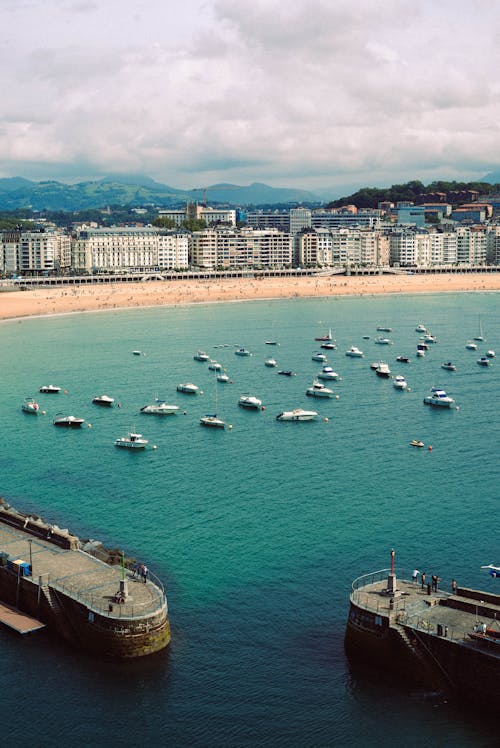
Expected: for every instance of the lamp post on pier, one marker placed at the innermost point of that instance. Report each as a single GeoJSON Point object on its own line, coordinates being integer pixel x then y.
{"type": "Point", "coordinates": [30, 541]}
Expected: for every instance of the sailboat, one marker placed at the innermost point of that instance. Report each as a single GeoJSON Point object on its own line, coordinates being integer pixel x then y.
{"type": "Point", "coordinates": [326, 337]}
{"type": "Point", "coordinates": [480, 336]}
{"type": "Point", "coordinates": [211, 419]}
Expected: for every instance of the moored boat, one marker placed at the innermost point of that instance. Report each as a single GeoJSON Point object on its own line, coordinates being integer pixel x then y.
{"type": "Point", "coordinates": [270, 362]}
{"type": "Point", "coordinates": [318, 390]}
{"type": "Point", "coordinates": [251, 402]}
{"type": "Point", "coordinates": [328, 336]}
{"type": "Point", "coordinates": [214, 366]}
{"type": "Point", "coordinates": [131, 441]}
{"type": "Point", "coordinates": [50, 389]}
{"type": "Point", "coordinates": [328, 373]}
{"type": "Point", "coordinates": [159, 408]}
{"type": "Point", "coordinates": [416, 443]}
{"type": "Point", "coordinates": [400, 382]}
{"type": "Point", "coordinates": [103, 400]}
{"type": "Point", "coordinates": [319, 357]}
{"type": "Point", "coordinates": [201, 356]}
{"type": "Point", "coordinates": [29, 405]}
{"type": "Point", "coordinates": [403, 359]}
{"type": "Point", "coordinates": [242, 352]}
{"type": "Point", "coordinates": [491, 354]}
{"type": "Point", "coordinates": [380, 328]}
{"type": "Point", "coordinates": [354, 352]}
{"type": "Point", "coordinates": [383, 341]}
{"type": "Point", "coordinates": [212, 421]}
{"type": "Point", "coordinates": [286, 373]}
{"type": "Point", "coordinates": [383, 370]}
{"type": "Point", "coordinates": [439, 398]}
{"type": "Point", "coordinates": [71, 422]}
{"type": "Point", "coordinates": [448, 366]}
{"type": "Point", "coordinates": [471, 346]}
{"type": "Point", "coordinates": [298, 414]}
{"type": "Point", "coordinates": [484, 361]}
{"type": "Point", "coordinates": [188, 388]}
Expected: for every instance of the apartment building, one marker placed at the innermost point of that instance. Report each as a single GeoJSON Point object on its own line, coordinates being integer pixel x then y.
{"type": "Point", "coordinates": [200, 212]}
{"type": "Point", "coordinates": [35, 252]}
{"type": "Point", "coordinates": [249, 247]}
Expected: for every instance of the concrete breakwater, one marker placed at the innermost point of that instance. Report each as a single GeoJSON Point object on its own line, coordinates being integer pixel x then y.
{"type": "Point", "coordinates": [88, 595]}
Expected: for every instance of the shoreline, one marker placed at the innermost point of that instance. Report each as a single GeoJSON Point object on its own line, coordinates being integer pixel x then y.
{"type": "Point", "coordinates": [59, 300]}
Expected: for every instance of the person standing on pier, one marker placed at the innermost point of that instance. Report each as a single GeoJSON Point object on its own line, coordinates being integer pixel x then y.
{"type": "Point", "coordinates": [422, 577]}
{"type": "Point", "coordinates": [145, 572]}
{"type": "Point", "coordinates": [414, 576]}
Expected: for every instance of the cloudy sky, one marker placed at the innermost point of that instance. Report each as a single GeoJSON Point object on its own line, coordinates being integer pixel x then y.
{"type": "Point", "coordinates": [305, 93]}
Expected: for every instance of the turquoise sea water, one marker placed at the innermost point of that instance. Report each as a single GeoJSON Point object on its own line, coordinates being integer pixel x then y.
{"type": "Point", "coordinates": [259, 530]}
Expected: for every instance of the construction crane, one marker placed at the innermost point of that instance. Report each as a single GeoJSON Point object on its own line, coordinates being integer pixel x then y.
{"type": "Point", "coordinates": [204, 190]}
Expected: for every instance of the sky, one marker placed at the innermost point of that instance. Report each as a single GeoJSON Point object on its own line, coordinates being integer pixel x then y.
{"type": "Point", "coordinates": [316, 94]}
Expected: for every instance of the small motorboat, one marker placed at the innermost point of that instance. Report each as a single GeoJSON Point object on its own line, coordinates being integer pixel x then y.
{"type": "Point", "coordinates": [383, 341]}
{"type": "Point", "coordinates": [329, 346]}
{"type": "Point", "coordinates": [491, 354]}
{"type": "Point", "coordinates": [222, 377]}
{"type": "Point", "coordinates": [201, 356]}
{"type": "Point", "coordinates": [131, 441]}
{"type": "Point", "coordinates": [188, 388]}
{"type": "Point", "coordinates": [271, 363]}
{"type": "Point", "coordinates": [420, 353]}
{"type": "Point", "coordinates": [251, 402]}
{"type": "Point", "coordinates": [319, 357]}
{"type": "Point", "coordinates": [211, 420]}
{"type": "Point", "coordinates": [137, 353]}
{"type": "Point", "coordinates": [70, 422]}
{"type": "Point", "coordinates": [298, 414]}
{"type": "Point", "coordinates": [242, 352]}
{"type": "Point", "coordinates": [400, 382]}
{"type": "Point", "coordinates": [422, 346]}
{"type": "Point", "coordinates": [318, 390]}
{"type": "Point", "coordinates": [403, 359]}
{"type": "Point", "coordinates": [438, 398]}
{"type": "Point", "coordinates": [429, 338]}
{"type": "Point", "coordinates": [354, 352]}
{"type": "Point", "coordinates": [484, 361]}
{"type": "Point", "coordinates": [104, 400]}
{"type": "Point", "coordinates": [159, 408]}
{"type": "Point", "coordinates": [328, 373]}
{"type": "Point", "coordinates": [383, 370]}
{"type": "Point", "coordinates": [471, 346]}
{"type": "Point", "coordinates": [214, 366]}
{"type": "Point", "coordinates": [384, 329]}
{"type": "Point", "coordinates": [375, 364]}
{"type": "Point", "coordinates": [29, 405]}
{"type": "Point", "coordinates": [271, 342]}
{"type": "Point", "coordinates": [50, 389]}
{"type": "Point", "coordinates": [286, 373]}
{"type": "Point", "coordinates": [416, 443]}
{"type": "Point", "coordinates": [421, 328]}
{"type": "Point", "coordinates": [448, 366]}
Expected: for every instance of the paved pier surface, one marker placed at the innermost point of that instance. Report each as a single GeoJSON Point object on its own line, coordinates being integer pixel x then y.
{"type": "Point", "coordinates": [412, 606]}
{"type": "Point", "coordinates": [82, 576]}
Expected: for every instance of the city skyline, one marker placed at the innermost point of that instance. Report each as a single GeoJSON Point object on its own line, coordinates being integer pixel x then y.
{"type": "Point", "coordinates": [303, 95]}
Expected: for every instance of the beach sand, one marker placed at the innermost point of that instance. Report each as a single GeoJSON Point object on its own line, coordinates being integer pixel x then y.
{"type": "Point", "coordinates": [68, 299]}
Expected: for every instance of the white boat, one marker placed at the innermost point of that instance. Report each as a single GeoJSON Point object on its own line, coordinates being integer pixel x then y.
{"type": "Point", "coordinates": [491, 354]}
{"type": "Point", "coordinates": [50, 388]}
{"type": "Point", "coordinates": [201, 356]}
{"type": "Point", "coordinates": [188, 388]}
{"type": "Point", "coordinates": [471, 346]}
{"type": "Point", "coordinates": [270, 363]}
{"type": "Point", "coordinates": [329, 346]}
{"type": "Point", "coordinates": [400, 382]}
{"type": "Point", "coordinates": [380, 328]}
{"type": "Point", "coordinates": [215, 366]}
{"type": "Point", "coordinates": [103, 400]}
{"type": "Point", "coordinates": [249, 401]}
{"type": "Point", "coordinates": [242, 352]}
{"type": "Point", "coordinates": [131, 441]}
{"type": "Point", "coordinates": [70, 422]}
{"type": "Point", "coordinates": [319, 390]}
{"type": "Point", "coordinates": [448, 366]}
{"type": "Point", "coordinates": [375, 364]}
{"type": "Point", "coordinates": [383, 370]}
{"type": "Point", "coordinates": [484, 361]}
{"type": "Point", "coordinates": [222, 377]}
{"type": "Point", "coordinates": [328, 373]}
{"type": "Point", "coordinates": [403, 359]}
{"type": "Point", "coordinates": [319, 357]}
{"type": "Point", "coordinates": [29, 405]}
{"type": "Point", "coordinates": [383, 341]}
{"type": "Point", "coordinates": [480, 337]}
{"type": "Point", "coordinates": [298, 414]}
{"type": "Point", "coordinates": [421, 328]}
{"type": "Point", "coordinates": [271, 342]}
{"type": "Point", "coordinates": [159, 408]}
{"type": "Point", "coordinates": [137, 353]}
{"type": "Point", "coordinates": [422, 345]}
{"type": "Point", "coordinates": [212, 421]}
{"type": "Point", "coordinates": [429, 338]}
{"type": "Point", "coordinates": [420, 352]}
{"type": "Point", "coordinates": [354, 352]}
{"type": "Point", "coordinates": [439, 398]}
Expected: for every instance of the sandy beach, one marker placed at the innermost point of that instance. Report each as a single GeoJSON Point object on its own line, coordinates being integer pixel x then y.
{"type": "Point", "coordinates": [70, 299]}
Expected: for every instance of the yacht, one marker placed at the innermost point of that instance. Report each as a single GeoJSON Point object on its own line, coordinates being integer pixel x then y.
{"type": "Point", "coordinates": [29, 405]}
{"type": "Point", "coordinates": [188, 388]}
{"type": "Point", "coordinates": [439, 398]}
{"type": "Point", "coordinates": [420, 352]}
{"type": "Point", "coordinates": [249, 401]}
{"type": "Point", "coordinates": [329, 346]}
{"type": "Point", "coordinates": [383, 341]}
{"type": "Point", "coordinates": [131, 441]}
{"type": "Point", "coordinates": [212, 421]}
{"type": "Point", "coordinates": [201, 356]}
{"type": "Point", "coordinates": [222, 377]}
{"type": "Point", "coordinates": [471, 346]}
{"type": "Point", "coordinates": [50, 388]}
{"type": "Point", "coordinates": [270, 363]}
{"type": "Point", "coordinates": [319, 390]}
{"type": "Point", "coordinates": [70, 422]}
{"type": "Point", "coordinates": [354, 352]}
{"type": "Point", "coordinates": [383, 370]}
{"type": "Point", "coordinates": [429, 338]}
{"type": "Point", "coordinates": [214, 366]}
{"type": "Point", "coordinates": [319, 357]}
{"type": "Point", "coordinates": [448, 366]}
{"type": "Point", "coordinates": [159, 408]}
{"type": "Point", "coordinates": [298, 414]}
{"type": "Point", "coordinates": [400, 382]}
{"type": "Point", "coordinates": [103, 400]}
{"type": "Point", "coordinates": [328, 373]}
{"type": "Point", "coordinates": [242, 352]}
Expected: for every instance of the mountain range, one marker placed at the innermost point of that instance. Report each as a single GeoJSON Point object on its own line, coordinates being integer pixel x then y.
{"type": "Point", "coordinates": [136, 190]}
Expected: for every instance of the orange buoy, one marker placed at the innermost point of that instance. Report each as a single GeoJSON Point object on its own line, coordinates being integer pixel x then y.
{"type": "Point", "coordinates": [430, 447]}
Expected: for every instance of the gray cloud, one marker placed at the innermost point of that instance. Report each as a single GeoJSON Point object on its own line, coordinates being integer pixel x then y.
{"type": "Point", "coordinates": [310, 92]}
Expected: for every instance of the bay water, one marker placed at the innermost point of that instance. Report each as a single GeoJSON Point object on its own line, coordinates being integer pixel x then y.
{"type": "Point", "coordinates": [257, 530]}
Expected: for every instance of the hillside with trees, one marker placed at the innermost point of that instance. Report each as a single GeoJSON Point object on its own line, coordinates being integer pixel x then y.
{"type": "Point", "coordinates": [370, 197]}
